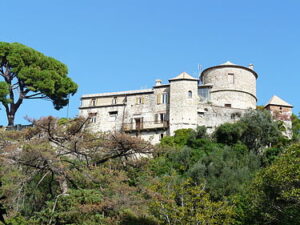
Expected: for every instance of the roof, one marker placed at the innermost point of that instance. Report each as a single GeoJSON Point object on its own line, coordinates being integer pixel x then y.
{"type": "Point", "coordinates": [228, 64]}
{"type": "Point", "coordinates": [118, 93]}
{"type": "Point", "coordinates": [275, 100]}
{"type": "Point", "coordinates": [183, 76]}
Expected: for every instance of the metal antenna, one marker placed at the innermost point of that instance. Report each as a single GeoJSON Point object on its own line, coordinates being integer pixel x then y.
{"type": "Point", "coordinates": [199, 71]}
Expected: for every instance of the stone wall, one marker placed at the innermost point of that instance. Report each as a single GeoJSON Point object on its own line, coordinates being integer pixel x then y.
{"type": "Point", "coordinates": [231, 85]}
{"type": "Point", "coordinates": [183, 108]}
{"type": "Point", "coordinates": [212, 116]}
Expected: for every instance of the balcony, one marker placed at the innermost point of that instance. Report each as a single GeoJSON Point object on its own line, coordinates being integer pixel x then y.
{"type": "Point", "coordinates": [145, 126]}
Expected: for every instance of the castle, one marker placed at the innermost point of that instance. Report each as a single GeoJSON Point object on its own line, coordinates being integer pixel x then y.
{"type": "Point", "coordinates": [223, 93]}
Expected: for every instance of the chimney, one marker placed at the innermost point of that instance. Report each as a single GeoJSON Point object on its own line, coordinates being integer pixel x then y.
{"type": "Point", "coordinates": [158, 82]}
{"type": "Point", "coordinates": [251, 66]}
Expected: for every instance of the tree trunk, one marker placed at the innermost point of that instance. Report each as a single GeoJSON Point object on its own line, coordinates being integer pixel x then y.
{"type": "Point", "coordinates": [11, 110]}
{"type": "Point", "coordinates": [11, 118]}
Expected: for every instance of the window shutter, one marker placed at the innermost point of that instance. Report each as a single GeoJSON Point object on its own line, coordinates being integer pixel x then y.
{"type": "Point", "coordinates": [159, 99]}
{"type": "Point", "coordinates": [137, 100]}
{"type": "Point", "coordinates": [143, 100]}
{"type": "Point", "coordinates": [156, 118]}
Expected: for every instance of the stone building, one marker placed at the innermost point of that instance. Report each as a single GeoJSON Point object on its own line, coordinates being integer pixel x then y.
{"type": "Point", "coordinates": [282, 111]}
{"type": "Point", "coordinates": [221, 94]}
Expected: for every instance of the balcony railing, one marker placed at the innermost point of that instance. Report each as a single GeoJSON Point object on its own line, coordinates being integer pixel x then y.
{"type": "Point", "coordinates": [147, 125]}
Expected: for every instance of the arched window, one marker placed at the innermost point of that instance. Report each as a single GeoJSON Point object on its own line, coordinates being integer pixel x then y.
{"type": "Point", "coordinates": [190, 94]}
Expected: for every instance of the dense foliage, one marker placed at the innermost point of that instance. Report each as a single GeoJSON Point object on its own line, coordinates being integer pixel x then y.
{"type": "Point", "coordinates": [28, 74]}
{"type": "Point", "coordinates": [58, 172]}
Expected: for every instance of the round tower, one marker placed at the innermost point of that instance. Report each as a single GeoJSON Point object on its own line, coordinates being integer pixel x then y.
{"type": "Point", "coordinates": [183, 102]}
{"type": "Point", "coordinates": [232, 85]}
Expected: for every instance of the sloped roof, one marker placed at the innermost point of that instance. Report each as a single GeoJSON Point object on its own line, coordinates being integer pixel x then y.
{"type": "Point", "coordinates": [228, 63]}
{"type": "Point", "coordinates": [184, 76]}
{"type": "Point", "coordinates": [275, 100]}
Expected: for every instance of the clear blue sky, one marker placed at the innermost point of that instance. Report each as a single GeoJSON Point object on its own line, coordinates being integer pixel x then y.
{"type": "Point", "coordinates": [127, 44]}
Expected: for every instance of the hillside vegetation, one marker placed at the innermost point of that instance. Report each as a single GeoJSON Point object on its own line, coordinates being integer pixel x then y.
{"type": "Point", "coordinates": [58, 172]}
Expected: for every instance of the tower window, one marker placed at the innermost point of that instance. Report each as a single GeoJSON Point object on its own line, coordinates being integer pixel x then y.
{"type": "Point", "coordinates": [190, 94]}
{"type": "Point", "coordinates": [231, 78]}
{"type": "Point", "coordinates": [228, 105]}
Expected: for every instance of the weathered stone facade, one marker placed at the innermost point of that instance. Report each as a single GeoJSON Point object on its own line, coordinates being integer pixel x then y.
{"type": "Point", "coordinates": [222, 94]}
{"type": "Point", "coordinates": [281, 111]}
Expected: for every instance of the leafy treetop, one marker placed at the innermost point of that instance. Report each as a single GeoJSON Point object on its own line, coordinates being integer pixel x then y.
{"type": "Point", "coordinates": [30, 74]}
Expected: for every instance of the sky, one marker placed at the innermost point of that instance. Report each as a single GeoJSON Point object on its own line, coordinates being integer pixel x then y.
{"type": "Point", "coordinates": [119, 45]}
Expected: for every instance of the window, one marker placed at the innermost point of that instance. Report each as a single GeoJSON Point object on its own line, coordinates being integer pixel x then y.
{"type": "Point", "coordinates": [204, 94]}
{"type": "Point", "coordinates": [231, 78]}
{"type": "Point", "coordinates": [160, 118]}
{"type": "Point", "coordinates": [93, 102]}
{"type": "Point", "coordinates": [114, 100]}
{"type": "Point", "coordinates": [228, 105]}
{"type": "Point", "coordinates": [161, 136]}
{"type": "Point", "coordinates": [165, 98]}
{"type": "Point", "coordinates": [92, 117]}
{"type": "Point", "coordinates": [139, 100]}
{"type": "Point", "coordinates": [190, 94]}
{"type": "Point", "coordinates": [113, 115]}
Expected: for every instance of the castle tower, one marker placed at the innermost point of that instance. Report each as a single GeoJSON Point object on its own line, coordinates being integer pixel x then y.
{"type": "Point", "coordinates": [232, 85]}
{"type": "Point", "coordinates": [183, 102]}
{"type": "Point", "coordinates": [282, 111]}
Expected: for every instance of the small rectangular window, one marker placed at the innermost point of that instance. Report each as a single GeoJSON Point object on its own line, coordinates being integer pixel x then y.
{"type": "Point", "coordinates": [162, 117]}
{"type": "Point", "coordinates": [114, 100]}
{"type": "Point", "coordinates": [231, 78]}
{"type": "Point", "coordinates": [228, 105]}
{"type": "Point", "coordinates": [93, 102]}
{"type": "Point", "coordinates": [113, 113]}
